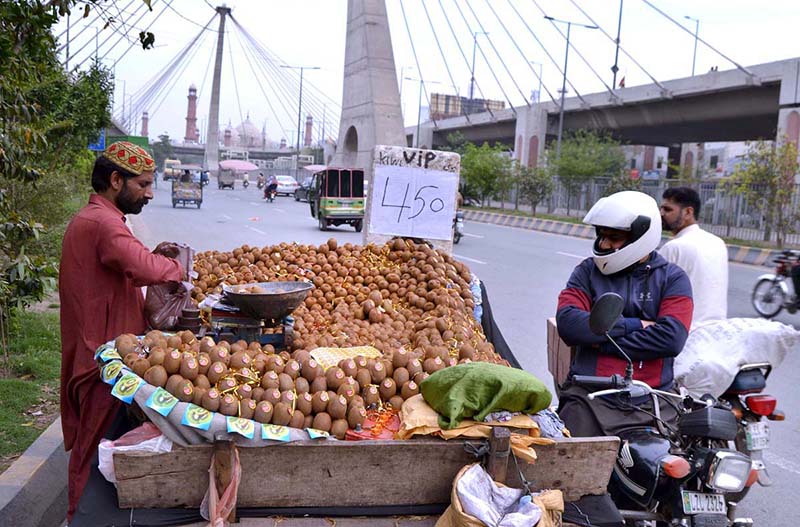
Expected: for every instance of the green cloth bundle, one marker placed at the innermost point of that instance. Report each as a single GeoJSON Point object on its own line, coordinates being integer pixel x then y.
{"type": "Point", "coordinates": [476, 389]}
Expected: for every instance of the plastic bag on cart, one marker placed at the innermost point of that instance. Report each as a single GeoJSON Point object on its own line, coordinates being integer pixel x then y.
{"type": "Point", "coordinates": [715, 350]}
{"type": "Point", "coordinates": [146, 438]}
{"type": "Point", "coordinates": [164, 303]}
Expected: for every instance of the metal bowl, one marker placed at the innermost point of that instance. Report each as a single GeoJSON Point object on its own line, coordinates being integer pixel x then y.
{"type": "Point", "coordinates": [278, 300]}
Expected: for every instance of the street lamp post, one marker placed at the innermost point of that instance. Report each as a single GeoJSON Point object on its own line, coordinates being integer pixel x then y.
{"type": "Point", "coordinates": [615, 67]}
{"type": "Point", "coordinates": [538, 93]}
{"type": "Point", "coordinates": [300, 101]}
{"type": "Point", "coordinates": [472, 71]}
{"type": "Point", "coordinates": [696, 33]}
{"type": "Point", "coordinates": [564, 80]}
{"type": "Point", "coordinates": [419, 105]}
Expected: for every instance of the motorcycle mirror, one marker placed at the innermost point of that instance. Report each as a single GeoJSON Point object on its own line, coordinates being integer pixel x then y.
{"type": "Point", "coordinates": [605, 313]}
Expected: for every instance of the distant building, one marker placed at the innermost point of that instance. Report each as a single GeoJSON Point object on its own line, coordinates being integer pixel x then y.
{"type": "Point", "coordinates": [444, 106]}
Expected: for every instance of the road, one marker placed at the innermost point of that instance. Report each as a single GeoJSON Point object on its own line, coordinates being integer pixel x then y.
{"type": "Point", "coordinates": [523, 272]}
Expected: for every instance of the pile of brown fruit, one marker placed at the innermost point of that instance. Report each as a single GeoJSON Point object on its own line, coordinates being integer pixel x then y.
{"type": "Point", "coordinates": [401, 295]}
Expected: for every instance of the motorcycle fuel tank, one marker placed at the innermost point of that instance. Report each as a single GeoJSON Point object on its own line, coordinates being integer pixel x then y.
{"type": "Point", "coordinates": [637, 475]}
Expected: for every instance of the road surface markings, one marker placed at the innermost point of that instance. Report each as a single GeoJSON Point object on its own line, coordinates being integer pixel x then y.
{"type": "Point", "coordinates": [473, 260]}
{"type": "Point", "coordinates": [226, 217]}
{"type": "Point", "coordinates": [571, 255]}
{"type": "Point", "coordinates": [472, 235]}
{"type": "Point", "coordinates": [280, 210]}
{"type": "Point", "coordinates": [259, 231]}
{"type": "Point", "coordinates": [778, 461]}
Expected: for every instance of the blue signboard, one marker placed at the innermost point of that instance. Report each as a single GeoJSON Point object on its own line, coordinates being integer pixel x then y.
{"type": "Point", "coordinates": [100, 144]}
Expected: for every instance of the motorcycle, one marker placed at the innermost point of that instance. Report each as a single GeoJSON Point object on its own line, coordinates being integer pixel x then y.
{"type": "Point", "coordinates": [271, 193]}
{"type": "Point", "coordinates": [676, 474]}
{"type": "Point", "coordinates": [260, 184]}
{"type": "Point", "coordinates": [458, 226]}
{"type": "Point", "coordinates": [771, 293]}
{"type": "Point", "coordinates": [752, 409]}
{"type": "Point", "coordinates": [245, 183]}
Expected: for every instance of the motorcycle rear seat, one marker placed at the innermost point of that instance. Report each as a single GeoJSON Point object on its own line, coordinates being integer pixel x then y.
{"type": "Point", "coordinates": [747, 381]}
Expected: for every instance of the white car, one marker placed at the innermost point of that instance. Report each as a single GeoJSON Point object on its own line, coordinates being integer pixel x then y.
{"type": "Point", "coordinates": [286, 185]}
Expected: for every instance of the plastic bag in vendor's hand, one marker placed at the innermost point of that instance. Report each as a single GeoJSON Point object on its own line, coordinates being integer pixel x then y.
{"type": "Point", "coordinates": [164, 303]}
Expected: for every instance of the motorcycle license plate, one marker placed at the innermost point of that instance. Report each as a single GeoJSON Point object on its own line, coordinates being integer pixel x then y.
{"type": "Point", "coordinates": [757, 436]}
{"type": "Point", "coordinates": [702, 503]}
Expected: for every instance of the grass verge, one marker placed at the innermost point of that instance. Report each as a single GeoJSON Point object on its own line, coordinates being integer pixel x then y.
{"type": "Point", "coordinates": [29, 393]}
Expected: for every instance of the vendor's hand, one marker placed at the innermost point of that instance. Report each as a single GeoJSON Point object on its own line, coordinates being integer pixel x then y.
{"type": "Point", "coordinates": [647, 323]}
{"type": "Point", "coordinates": [168, 249]}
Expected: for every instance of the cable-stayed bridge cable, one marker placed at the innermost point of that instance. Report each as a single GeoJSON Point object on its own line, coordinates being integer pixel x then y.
{"type": "Point", "coordinates": [169, 2]}
{"type": "Point", "coordinates": [141, 8]}
{"type": "Point", "coordinates": [419, 70]}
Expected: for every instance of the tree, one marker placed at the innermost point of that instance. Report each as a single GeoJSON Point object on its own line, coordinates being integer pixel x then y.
{"type": "Point", "coordinates": [482, 167]}
{"type": "Point", "coordinates": [622, 181]}
{"type": "Point", "coordinates": [586, 154]}
{"type": "Point", "coordinates": [766, 178]}
{"type": "Point", "coordinates": [535, 184]}
{"type": "Point", "coordinates": [162, 149]}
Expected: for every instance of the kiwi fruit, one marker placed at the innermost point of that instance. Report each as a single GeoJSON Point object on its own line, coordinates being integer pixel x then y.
{"type": "Point", "coordinates": [339, 428]}
{"type": "Point", "coordinates": [203, 363]}
{"type": "Point", "coordinates": [301, 385]}
{"type": "Point", "coordinates": [396, 402]}
{"type": "Point", "coordinates": [337, 407]}
{"type": "Point", "coordinates": [240, 360]}
{"type": "Point", "coordinates": [270, 380]}
{"type": "Point", "coordinates": [322, 421]}
{"type": "Point", "coordinates": [202, 381]}
{"type": "Point", "coordinates": [361, 361]}
{"type": "Point", "coordinates": [199, 393]}
{"type": "Point", "coordinates": [216, 371]}
{"type": "Point", "coordinates": [157, 356]}
{"type": "Point", "coordinates": [247, 408]}
{"type": "Point", "coordinates": [349, 367]}
{"type": "Point", "coordinates": [319, 384]}
{"type": "Point", "coordinates": [301, 356]}
{"type": "Point", "coordinates": [285, 382]}
{"type": "Point", "coordinates": [189, 367]}
{"type": "Point", "coordinates": [400, 358]}
{"type": "Point", "coordinates": [319, 402]}
{"type": "Point", "coordinates": [259, 362]}
{"type": "Point", "coordinates": [184, 391]}
{"type": "Point", "coordinates": [356, 416]}
{"type": "Point", "coordinates": [421, 376]}
{"type": "Point", "coordinates": [172, 361]}
{"type": "Point", "coordinates": [433, 365]}
{"type": "Point", "coordinates": [206, 343]}
{"type": "Point", "coordinates": [377, 372]}
{"type": "Point", "coordinates": [414, 366]}
{"type": "Point", "coordinates": [292, 368]}
{"type": "Point", "coordinates": [272, 396]}
{"type": "Point", "coordinates": [229, 405]}
{"type": "Point", "coordinates": [140, 366]}
{"type": "Point", "coordinates": [275, 363]}
{"type": "Point", "coordinates": [309, 419]}
{"type": "Point", "coordinates": [227, 385]}
{"type": "Point", "coordinates": [387, 389]}
{"type": "Point", "coordinates": [172, 383]}
{"type": "Point", "coordinates": [289, 398]}
{"type": "Point", "coordinates": [129, 359]}
{"type": "Point", "coordinates": [258, 393]}
{"type": "Point", "coordinates": [334, 377]}
{"type": "Point", "coordinates": [409, 389]}
{"type": "Point", "coordinates": [297, 420]}
{"type": "Point", "coordinates": [244, 391]}
{"type": "Point", "coordinates": [174, 342]}
{"type": "Point", "coordinates": [371, 395]}
{"type": "Point", "coordinates": [281, 414]}
{"type": "Point", "coordinates": [304, 403]}
{"type": "Point", "coordinates": [401, 375]}
{"type": "Point", "coordinates": [310, 370]}
{"type": "Point", "coordinates": [211, 400]}
{"type": "Point", "coordinates": [156, 375]}
{"type": "Point", "coordinates": [263, 412]}
{"type": "Point", "coordinates": [347, 391]}
{"type": "Point", "coordinates": [219, 354]}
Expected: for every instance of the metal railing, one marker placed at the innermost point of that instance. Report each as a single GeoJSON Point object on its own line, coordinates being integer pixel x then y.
{"type": "Point", "coordinates": [722, 211]}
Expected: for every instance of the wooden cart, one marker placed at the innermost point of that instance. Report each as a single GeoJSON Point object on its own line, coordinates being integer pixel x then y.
{"type": "Point", "coordinates": [363, 474]}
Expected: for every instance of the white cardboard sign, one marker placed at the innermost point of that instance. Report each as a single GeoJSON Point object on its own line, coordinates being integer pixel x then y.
{"type": "Point", "coordinates": [413, 193]}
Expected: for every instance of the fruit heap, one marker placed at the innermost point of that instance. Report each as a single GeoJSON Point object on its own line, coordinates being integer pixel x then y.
{"type": "Point", "coordinates": [407, 300]}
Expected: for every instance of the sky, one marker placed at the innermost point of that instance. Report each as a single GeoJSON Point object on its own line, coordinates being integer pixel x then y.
{"type": "Point", "coordinates": [311, 33]}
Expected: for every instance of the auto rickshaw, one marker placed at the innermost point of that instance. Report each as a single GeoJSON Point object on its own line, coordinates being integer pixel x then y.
{"type": "Point", "coordinates": [187, 188]}
{"type": "Point", "coordinates": [336, 197]}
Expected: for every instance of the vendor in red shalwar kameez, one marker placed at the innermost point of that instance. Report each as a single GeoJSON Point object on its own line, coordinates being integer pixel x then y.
{"type": "Point", "coordinates": [103, 267]}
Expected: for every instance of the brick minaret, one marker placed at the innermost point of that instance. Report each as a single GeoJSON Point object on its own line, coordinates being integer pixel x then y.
{"type": "Point", "coordinates": [309, 127]}
{"type": "Point", "coordinates": [192, 135]}
{"type": "Point", "coordinates": [145, 124]}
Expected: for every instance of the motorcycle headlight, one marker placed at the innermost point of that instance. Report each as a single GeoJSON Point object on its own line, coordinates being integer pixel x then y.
{"type": "Point", "coordinates": [728, 471]}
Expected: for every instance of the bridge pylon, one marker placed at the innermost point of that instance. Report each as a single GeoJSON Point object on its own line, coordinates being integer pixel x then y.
{"type": "Point", "coordinates": [211, 157]}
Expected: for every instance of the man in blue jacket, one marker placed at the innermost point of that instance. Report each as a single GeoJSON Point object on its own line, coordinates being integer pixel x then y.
{"type": "Point", "coordinates": [652, 329]}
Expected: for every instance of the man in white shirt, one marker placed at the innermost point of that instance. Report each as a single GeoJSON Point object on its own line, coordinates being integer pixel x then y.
{"type": "Point", "coordinates": [702, 255]}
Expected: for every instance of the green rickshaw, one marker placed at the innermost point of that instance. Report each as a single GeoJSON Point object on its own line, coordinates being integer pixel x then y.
{"type": "Point", "coordinates": [336, 197]}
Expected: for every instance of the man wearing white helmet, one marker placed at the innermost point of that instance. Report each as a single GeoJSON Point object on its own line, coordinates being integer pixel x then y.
{"type": "Point", "coordinates": [655, 321]}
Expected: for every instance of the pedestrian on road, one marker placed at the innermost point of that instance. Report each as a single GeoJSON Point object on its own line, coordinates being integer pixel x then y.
{"type": "Point", "coordinates": [103, 268]}
{"type": "Point", "coordinates": [702, 255]}
{"type": "Point", "coordinates": [654, 323]}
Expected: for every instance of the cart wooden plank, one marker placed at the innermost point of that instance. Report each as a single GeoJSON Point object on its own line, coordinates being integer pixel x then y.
{"type": "Point", "coordinates": [343, 473]}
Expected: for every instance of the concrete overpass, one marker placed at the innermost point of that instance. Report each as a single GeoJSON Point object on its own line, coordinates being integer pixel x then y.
{"type": "Point", "coordinates": [193, 153]}
{"type": "Point", "coordinates": [762, 102]}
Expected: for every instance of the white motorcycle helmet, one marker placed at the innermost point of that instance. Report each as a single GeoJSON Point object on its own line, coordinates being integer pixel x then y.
{"type": "Point", "coordinates": [631, 211]}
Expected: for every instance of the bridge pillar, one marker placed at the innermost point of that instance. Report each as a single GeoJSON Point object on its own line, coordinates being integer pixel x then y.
{"type": "Point", "coordinates": [371, 113]}
{"type": "Point", "coordinates": [425, 139]}
{"type": "Point", "coordinates": [530, 132]}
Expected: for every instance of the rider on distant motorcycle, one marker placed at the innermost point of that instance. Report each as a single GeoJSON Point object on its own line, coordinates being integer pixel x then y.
{"type": "Point", "coordinates": [260, 180]}
{"type": "Point", "coordinates": [272, 186]}
{"type": "Point", "coordinates": [654, 323]}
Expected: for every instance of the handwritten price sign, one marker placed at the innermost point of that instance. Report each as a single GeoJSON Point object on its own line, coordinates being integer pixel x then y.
{"type": "Point", "coordinates": [413, 201]}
